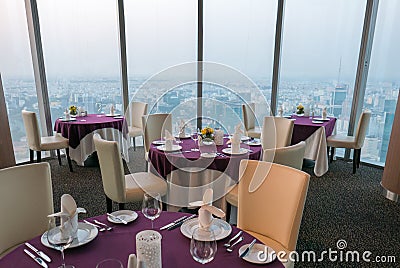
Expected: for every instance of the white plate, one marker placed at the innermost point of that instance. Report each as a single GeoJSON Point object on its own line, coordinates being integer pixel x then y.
{"type": "Point", "coordinates": [174, 148]}
{"type": "Point", "coordinates": [118, 117]}
{"type": "Point", "coordinates": [86, 233]}
{"type": "Point", "coordinates": [187, 136]}
{"type": "Point", "coordinates": [113, 115]}
{"type": "Point", "coordinates": [299, 114]}
{"type": "Point", "coordinates": [127, 215]}
{"type": "Point", "coordinates": [322, 119]}
{"type": "Point", "coordinates": [158, 142]}
{"type": "Point", "coordinates": [253, 143]}
{"type": "Point", "coordinates": [208, 155]}
{"type": "Point", "coordinates": [220, 228]}
{"type": "Point", "coordinates": [317, 122]}
{"type": "Point", "coordinates": [229, 151]}
{"type": "Point", "coordinates": [254, 256]}
{"type": "Point", "coordinates": [245, 138]}
{"type": "Point", "coordinates": [66, 120]}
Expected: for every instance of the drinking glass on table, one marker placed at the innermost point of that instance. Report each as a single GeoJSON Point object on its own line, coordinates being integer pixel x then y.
{"type": "Point", "coordinates": [195, 137]}
{"type": "Point", "coordinates": [110, 263]}
{"type": "Point", "coordinates": [151, 207]}
{"type": "Point", "coordinates": [203, 245]}
{"type": "Point", "coordinates": [60, 235]}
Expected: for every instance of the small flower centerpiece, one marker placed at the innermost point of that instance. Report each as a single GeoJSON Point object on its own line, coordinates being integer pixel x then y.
{"type": "Point", "coordinates": [300, 109]}
{"type": "Point", "coordinates": [73, 110]}
{"type": "Point", "coordinates": [207, 133]}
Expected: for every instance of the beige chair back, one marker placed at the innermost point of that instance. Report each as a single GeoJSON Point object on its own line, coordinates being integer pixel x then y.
{"type": "Point", "coordinates": [291, 156]}
{"type": "Point", "coordinates": [154, 126]}
{"type": "Point", "coordinates": [249, 117]}
{"type": "Point", "coordinates": [362, 128]}
{"type": "Point", "coordinates": [26, 198]}
{"type": "Point", "coordinates": [112, 170]}
{"type": "Point", "coordinates": [137, 110]}
{"type": "Point", "coordinates": [32, 130]}
{"type": "Point", "coordinates": [275, 209]}
{"type": "Point", "coordinates": [276, 132]}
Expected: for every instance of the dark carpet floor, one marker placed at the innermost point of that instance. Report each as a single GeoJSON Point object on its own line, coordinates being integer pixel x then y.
{"type": "Point", "coordinates": [339, 206]}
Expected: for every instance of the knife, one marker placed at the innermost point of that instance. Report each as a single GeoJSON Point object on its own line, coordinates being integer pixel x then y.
{"type": "Point", "coordinates": [38, 252]}
{"type": "Point", "coordinates": [172, 223]}
{"type": "Point", "coordinates": [247, 250]}
{"type": "Point", "coordinates": [36, 259]}
{"type": "Point", "coordinates": [176, 225]}
{"type": "Point", "coordinates": [118, 218]}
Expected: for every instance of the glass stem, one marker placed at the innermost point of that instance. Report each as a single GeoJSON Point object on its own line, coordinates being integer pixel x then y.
{"type": "Point", "coordinates": [152, 224]}
{"type": "Point", "coordinates": [62, 257]}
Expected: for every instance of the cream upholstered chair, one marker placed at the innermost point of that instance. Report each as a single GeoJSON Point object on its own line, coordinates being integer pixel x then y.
{"type": "Point", "coordinates": [272, 213]}
{"type": "Point", "coordinates": [122, 188]}
{"type": "Point", "coordinates": [26, 198]}
{"type": "Point", "coordinates": [249, 120]}
{"type": "Point", "coordinates": [136, 111]}
{"type": "Point", "coordinates": [276, 132]}
{"type": "Point", "coordinates": [291, 156]}
{"type": "Point", "coordinates": [39, 144]}
{"type": "Point", "coordinates": [154, 126]}
{"type": "Point", "coordinates": [355, 142]}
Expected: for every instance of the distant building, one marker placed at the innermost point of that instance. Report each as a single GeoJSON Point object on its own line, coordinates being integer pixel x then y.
{"type": "Point", "coordinates": [339, 94]}
{"type": "Point", "coordinates": [389, 109]}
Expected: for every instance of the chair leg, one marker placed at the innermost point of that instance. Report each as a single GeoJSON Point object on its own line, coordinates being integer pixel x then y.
{"type": "Point", "coordinates": [121, 206]}
{"type": "Point", "coordinates": [31, 155]}
{"type": "Point", "coordinates": [228, 212]}
{"type": "Point", "coordinates": [327, 150]}
{"type": "Point", "coordinates": [358, 157]}
{"type": "Point", "coordinates": [59, 156]}
{"type": "Point", "coordinates": [109, 204]}
{"type": "Point", "coordinates": [355, 160]}
{"type": "Point", "coordinates": [332, 154]}
{"type": "Point", "coordinates": [39, 156]}
{"type": "Point", "coordinates": [134, 143]}
{"type": "Point", "coordinates": [69, 159]}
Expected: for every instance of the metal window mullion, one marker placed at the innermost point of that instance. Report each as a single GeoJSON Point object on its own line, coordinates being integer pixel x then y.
{"type": "Point", "coordinates": [200, 44]}
{"type": "Point", "coordinates": [122, 54]}
{"type": "Point", "coordinates": [277, 55]}
{"type": "Point", "coordinates": [39, 70]}
{"type": "Point", "coordinates": [364, 58]}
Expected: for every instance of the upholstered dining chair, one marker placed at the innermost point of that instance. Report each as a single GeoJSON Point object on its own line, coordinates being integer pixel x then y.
{"type": "Point", "coordinates": [38, 143]}
{"type": "Point", "coordinates": [355, 142]}
{"type": "Point", "coordinates": [272, 212]}
{"type": "Point", "coordinates": [26, 198]}
{"type": "Point", "coordinates": [136, 111]}
{"type": "Point", "coordinates": [249, 120]}
{"type": "Point", "coordinates": [122, 188]}
{"type": "Point", "coordinates": [154, 126]}
{"type": "Point", "coordinates": [276, 132]}
{"type": "Point", "coordinates": [291, 156]}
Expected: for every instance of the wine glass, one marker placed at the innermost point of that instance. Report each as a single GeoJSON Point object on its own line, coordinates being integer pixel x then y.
{"type": "Point", "coordinates": [195, 137]}
{"type": "Point", "coordinates": [203, 246]}
{"type": "Point", "coordinates": [60, 235]}
{"type": "Point", "coordinates": [151, 207]}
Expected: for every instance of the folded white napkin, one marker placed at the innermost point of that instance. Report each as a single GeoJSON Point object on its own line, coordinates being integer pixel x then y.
{"type": "Point", "coordinates": [181, 128]}
{"type": "Point", "coordinates": [112, 109]}
{"type": "Point", "coordinates": [236, 139]}
{"type": "Point", "coordinates": [169, 140]}
{"type": "Point", "coordinates": [207, 210]}
{"type": "Point", "coordinates": [324, 113]}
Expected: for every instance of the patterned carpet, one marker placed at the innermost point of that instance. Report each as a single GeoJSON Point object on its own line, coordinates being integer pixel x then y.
{"type": "Point", "coordinates": [339, 206]}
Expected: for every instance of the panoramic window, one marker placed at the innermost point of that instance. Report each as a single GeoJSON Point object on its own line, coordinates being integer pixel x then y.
{"type": "Point", "coordinates": [81, 52]}
{"type": "Point", "coordinates": [383, 82]}
{"type": "Point", "coordinates": [17, 73]}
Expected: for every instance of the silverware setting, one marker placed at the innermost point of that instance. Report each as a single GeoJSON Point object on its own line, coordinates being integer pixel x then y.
{"type": "Point", "coordinates": [230, 249]}
{"type": "Point", "coordinates": [36, 259]}
{"type": "Point", "coordinates": [38, 252]}
{"type": "Point", "coordinates": [172, 223]}
{"type": "Point", "coordinates": [117, 218]}
{"type": "Point", "coordinates": [247, 250]}
{"type": "Point", "coordinates": [233, 238]}
{"type": "Point", "coordinates": [101, 229]}
{"type": "Point", "coordinates": [108, 228]}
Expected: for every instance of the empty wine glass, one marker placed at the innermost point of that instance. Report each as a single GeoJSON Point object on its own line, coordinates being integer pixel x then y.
{"type": "Point", "coordinates": [195, 137]}
{"type": "Point", "coordinates": [60, 235]}
{"type": "Point", "coordinates": [203, 246]}
{"type": "Point", "coordinates": [151, 207]}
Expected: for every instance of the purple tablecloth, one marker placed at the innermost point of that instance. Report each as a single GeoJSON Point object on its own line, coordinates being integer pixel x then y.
{"type": "Point", "coordinates": [304, 128]}
{"type": "Point", "coordinates": [121, 242]}
{"type": "Point", "coordinates": [75, 131]}
{"type": "Point", "coordinates": [164, 163]}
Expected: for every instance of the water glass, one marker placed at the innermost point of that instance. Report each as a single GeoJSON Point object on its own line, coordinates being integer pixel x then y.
{"type": "Point", "coordinates": [110, 263]}
{"type": "Point", "coordinates": [203, 246]}
{"type": "Point", "coordinates": [151, 206]}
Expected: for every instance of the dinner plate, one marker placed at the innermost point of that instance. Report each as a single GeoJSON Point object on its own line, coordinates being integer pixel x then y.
{"type": "Point", "coordinates": [220, 228]}
{"type": "Point", "coordinates": [317, 122]}
{"type": "Point", "coordinates": [158, 142]}
{"type": "Point", "coordinates": [208, 155]}
{"type": "Point", "coordinates": [322, 119]}
{"type": "Point", "coordinates": [86, 233]}
{"type": "Point", "coordinates": [66, 120]}
{"type": "Point", "coordinates": [187, 136]}
{"type": "Point", "coordinates": [229, 151]}
{"type": "Point", "coordinates": [113, 115]}
{"type": "Point", "coordinates": [127, 215]}
{"type": "Point", "coordinates": [253, 143]}
{"type": "Point", "coordinates": [118, 117]}
{"type": "Point", "coordinates": [173, 148]}
{"type": "Point", "coordinates": [259, 254]}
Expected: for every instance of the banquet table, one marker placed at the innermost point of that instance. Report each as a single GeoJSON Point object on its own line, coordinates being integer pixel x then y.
{"type": "Point", "coordinates": [120, 242]}
{"type": "Point", "coordinates": [314, 133]}
{"type": "Point", "coordinates": [80, 133]}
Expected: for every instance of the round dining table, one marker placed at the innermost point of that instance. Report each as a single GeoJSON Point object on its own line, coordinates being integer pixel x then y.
{"type": "Point", "coordinates": [121, 241]}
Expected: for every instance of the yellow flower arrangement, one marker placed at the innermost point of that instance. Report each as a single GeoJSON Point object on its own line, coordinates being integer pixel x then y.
{"type": "Point", "coordinates": [73, 110]}
{"type": "Point", "coordinates": [300, 109]}
{"type": "Point", "coordinates": [207, 132]}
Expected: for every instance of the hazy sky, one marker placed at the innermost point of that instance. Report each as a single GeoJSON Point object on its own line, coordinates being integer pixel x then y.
{"type": "Point", "coordinates": [80, 37]}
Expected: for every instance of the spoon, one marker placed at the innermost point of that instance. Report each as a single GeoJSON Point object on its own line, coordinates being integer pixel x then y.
{"type": "Point", "coordinates": [101, 229]}
{"type": "Point", "coordinates": [233, 238]}
{"type": "Point", "coordinates": [109, 228]}
{"type": "Point", "coordinates": [230, 249]}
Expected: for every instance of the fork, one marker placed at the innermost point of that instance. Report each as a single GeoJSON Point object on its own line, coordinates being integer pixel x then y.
{"type": "Point", "coordinates": [109, 228]}
{"type": "Point", "coordinates": [101, 229]}
{"type": "Point", "coordinates": [230, 249]}
{"type": "Point", "coordinates": [233, 238]}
